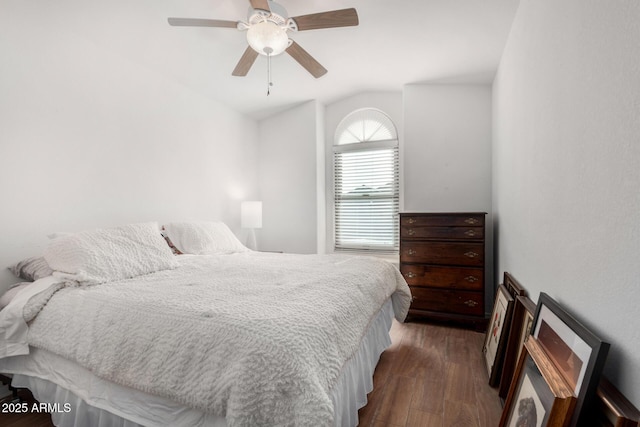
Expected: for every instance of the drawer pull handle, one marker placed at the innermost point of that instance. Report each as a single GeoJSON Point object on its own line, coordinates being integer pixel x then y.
{"type": "Point", "coordinates": [471, 279]}
{"type": "Point", "coordinates": [471, 221]}
{"type": "Point", "coordinates": [411, 220]}
{"type": "Point", "coordinates": [411, 232]}
{"type": "Point", "coordinates": [471, 254]}
{"type": "Point", "coordinates": [470, 303]}
{"type": "Point", "coordinates": [470, 233]}
{"type": "Point", "coordinates": [411, 275]}
{"type": "Point", "coordinates": [411, 252]}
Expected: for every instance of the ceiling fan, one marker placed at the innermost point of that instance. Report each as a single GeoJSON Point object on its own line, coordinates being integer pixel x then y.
{"type": "Point", "coordinates": [267, 29]}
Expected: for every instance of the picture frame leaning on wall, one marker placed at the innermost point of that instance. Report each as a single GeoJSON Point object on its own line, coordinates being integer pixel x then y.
{"type": "Point", "coordinates": [613, 408]}
{"type": "Point", "coordinates": [513, 286]}
{"type": "Point", "coordinates": [577, 353]}
{"type": "Point", "coordinates": [497, 334]}
{"type": "Point", "coordinates": [521, 323]}
{"type": "Point", "coordinates": [539, 395]}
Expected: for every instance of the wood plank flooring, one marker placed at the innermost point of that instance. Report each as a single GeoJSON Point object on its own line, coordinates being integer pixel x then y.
{"type": "Point", "coordinates": [25, 420]}
{"type": "Point", "coordinates": [431, 376]}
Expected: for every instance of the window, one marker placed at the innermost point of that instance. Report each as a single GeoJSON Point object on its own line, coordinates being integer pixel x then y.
{"type": "Point", "coordinates": [366, 182]}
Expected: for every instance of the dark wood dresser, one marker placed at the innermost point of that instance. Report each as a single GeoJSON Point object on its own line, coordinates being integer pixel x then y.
{"type": "Point", "coordinates": [442, 260]}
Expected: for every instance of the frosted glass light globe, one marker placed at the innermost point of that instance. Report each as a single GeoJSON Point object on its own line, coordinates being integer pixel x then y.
{"type": "Point", "coordinates": [267, 38]}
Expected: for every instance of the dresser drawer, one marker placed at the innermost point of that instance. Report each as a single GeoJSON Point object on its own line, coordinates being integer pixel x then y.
{"type": "Point", "coordinates": [457, 233]}
{"type": "Point", "coordinates": [442, 253]}
{"type": "Point", "coordinates": [442, 220]}
{"type": "Point", "coordinates": [464, 278]}
{"type": "Point", "coordinates": [459, 302]}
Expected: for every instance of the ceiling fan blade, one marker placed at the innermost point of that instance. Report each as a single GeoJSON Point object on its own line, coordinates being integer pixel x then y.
{"type": "Point", "coordinates": [260, 4]}
{"type": "Point", "coordinates": [306, 60]}
{"type": "Point", "coordinates": [195, 22]}
{"type": "Point", "coordinates": [244, 65]}
{"type": "Point", "coordinates": [331, 19]}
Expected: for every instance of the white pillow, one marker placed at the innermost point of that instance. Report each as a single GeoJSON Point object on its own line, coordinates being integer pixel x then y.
{"type": "Point", "coordinates": [6, 298]}
{"type": "Point", "coordinates": [203, 238]}
{"type": "Point", "coordinates": [31, 269]}
{"type": "Point", "coordinates": [104, 255]}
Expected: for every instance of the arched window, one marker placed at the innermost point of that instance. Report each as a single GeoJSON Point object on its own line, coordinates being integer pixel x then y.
{"type": "Point", "coordinates": [366, 182]}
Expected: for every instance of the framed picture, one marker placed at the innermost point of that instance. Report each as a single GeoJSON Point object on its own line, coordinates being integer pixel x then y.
{"type": "Point", "coordinates": [521, 321]}
{"type": "Point", "coordinates": [497, 334]}
{"type": "Point", "coordinates": [613, 408]}
{"type": "Point", "coordinates": [540, 397]}
{"type": "Point", "coordinates": [515, 289]}
{"type": "Point", "coordinates": [577, 353]}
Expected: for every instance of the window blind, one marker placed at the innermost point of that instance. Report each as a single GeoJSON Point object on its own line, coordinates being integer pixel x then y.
{"type": "Point", "coordinates": [366, 192]}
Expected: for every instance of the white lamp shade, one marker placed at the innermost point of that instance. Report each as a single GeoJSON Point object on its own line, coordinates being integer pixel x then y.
{"type": "Point", "coordinates": [251, 214]}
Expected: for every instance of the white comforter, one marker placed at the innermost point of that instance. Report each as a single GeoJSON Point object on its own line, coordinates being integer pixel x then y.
{"type": "Point", "coordinates": [260, 338]}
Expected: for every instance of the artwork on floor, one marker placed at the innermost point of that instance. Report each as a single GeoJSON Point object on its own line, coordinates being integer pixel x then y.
{"type": "Point", "coordinates": [529, 408]}
{"type": "Point", "coordinates": [513, 286]}
{"type": "Point", "coordinates": [613, 408]}
{"type": "Point", "coordinates": [539, 396]}
{"type": "Point", "coordinates": [577, 353]}
{"type": "Point", "coordinates": [521, 322]}
{"type": "Point", "coordinates": [570, 364]}
{"type": "Point", "coordinates": [497, 333]}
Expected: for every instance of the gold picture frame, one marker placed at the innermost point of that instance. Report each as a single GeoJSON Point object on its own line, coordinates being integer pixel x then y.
{"type": "Point", "coordinates": [539, 396]}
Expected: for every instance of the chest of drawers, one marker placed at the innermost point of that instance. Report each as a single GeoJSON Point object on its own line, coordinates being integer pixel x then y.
{"type": "Point", "coordinates": [442, 258]}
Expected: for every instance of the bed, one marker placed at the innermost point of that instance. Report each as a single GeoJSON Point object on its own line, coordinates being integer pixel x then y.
{"type": "Point", "coordinates": [125, 332]}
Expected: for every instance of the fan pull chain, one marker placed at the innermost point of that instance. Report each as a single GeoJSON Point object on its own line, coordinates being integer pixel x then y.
{"type": "Point", "coordinates": [269, 82]}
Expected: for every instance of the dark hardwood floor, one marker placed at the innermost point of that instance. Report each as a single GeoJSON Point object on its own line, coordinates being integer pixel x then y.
{"type": "Point", "coordinates": [431, 376]}
{"type": "Point", "coordinates": [33, 419]}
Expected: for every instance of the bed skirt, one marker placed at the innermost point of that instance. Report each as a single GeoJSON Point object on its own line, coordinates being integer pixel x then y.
{"type": "Point", "coordinates": [92, 401]}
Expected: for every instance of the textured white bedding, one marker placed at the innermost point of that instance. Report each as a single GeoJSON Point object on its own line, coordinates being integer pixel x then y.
{"type": "Point", "coordinates": [261, 338]}
{"type": "Point", "coordinates": [99, 403]}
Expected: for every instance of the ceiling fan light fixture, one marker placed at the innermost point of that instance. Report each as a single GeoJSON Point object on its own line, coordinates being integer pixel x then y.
{"type": "Point", "coordinates": [267, 27]}
{"type": "Point", "coordinates": [267, 38]}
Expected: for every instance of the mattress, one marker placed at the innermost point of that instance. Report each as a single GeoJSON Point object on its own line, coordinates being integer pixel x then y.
{"type": "Point", "coordinates": [79, 398]}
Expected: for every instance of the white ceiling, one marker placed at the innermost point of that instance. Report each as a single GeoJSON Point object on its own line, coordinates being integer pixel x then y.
{"type": "Point", "coordinates": [397, 43]}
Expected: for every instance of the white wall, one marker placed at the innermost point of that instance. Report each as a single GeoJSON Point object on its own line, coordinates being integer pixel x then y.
{"type": "Point", "coordinates": [447, 148]}
{"type": "Point", "coordinates": [388, 102]}
{"type": "Point", "coordinates": [566, 176]}
{"type": "Point", "coordinates": [288, 180]}
{"type": "Point", "coordinates": [321, 173]}
{"type": "Point", "coordinates": [447, 155]}
{"type": "Point", "coordinates": [89, 138]}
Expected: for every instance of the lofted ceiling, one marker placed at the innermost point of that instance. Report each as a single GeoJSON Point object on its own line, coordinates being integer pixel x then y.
{"type": "Point", "coordinates": [397, 43]}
